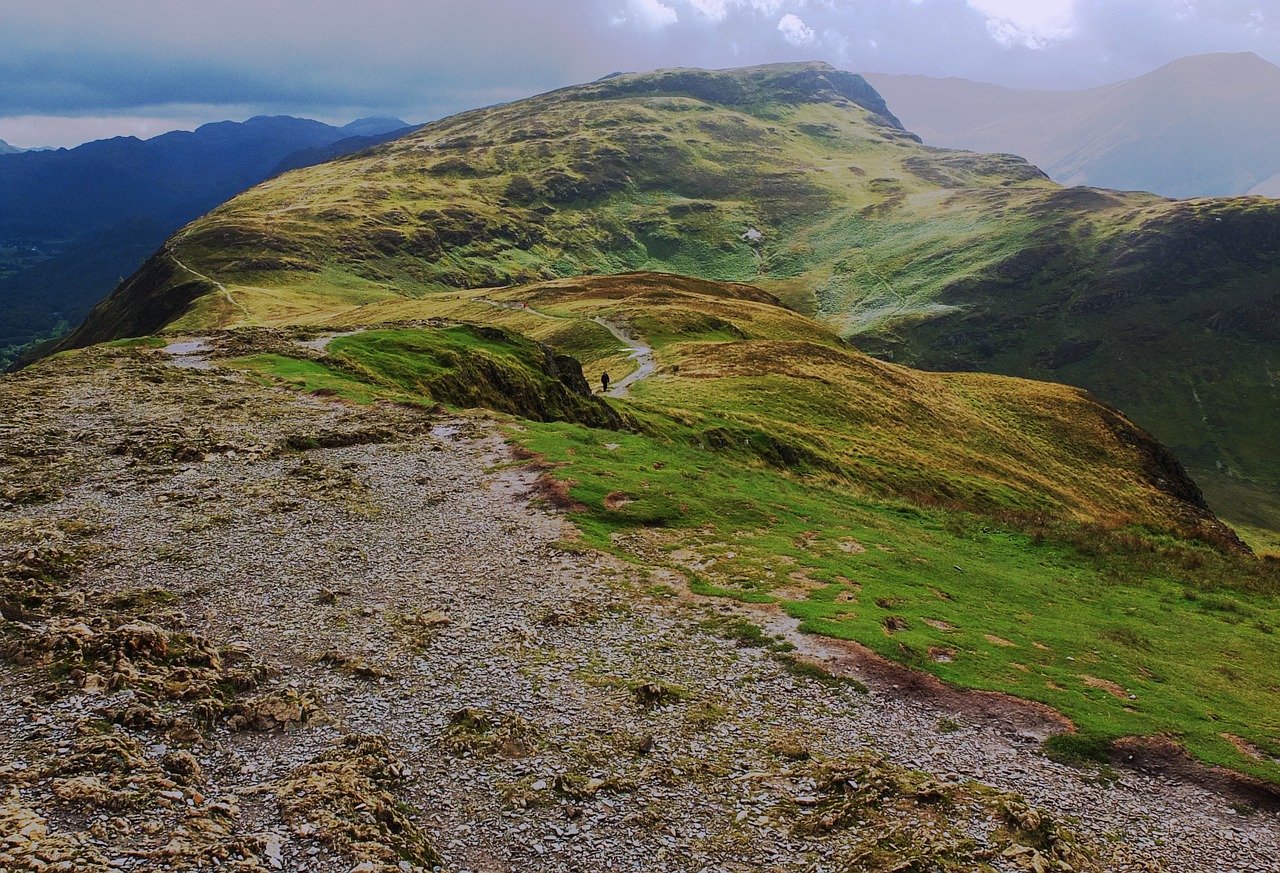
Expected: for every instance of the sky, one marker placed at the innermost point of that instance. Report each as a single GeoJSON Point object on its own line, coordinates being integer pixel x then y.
{"type": "Point", "coordinates": [76, 70]}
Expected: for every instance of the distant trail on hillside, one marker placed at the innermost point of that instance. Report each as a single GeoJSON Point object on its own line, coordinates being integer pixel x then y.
{"type": "Point", "coordinates": [223, 288]}
{"type": "Point", "coordinates": [641, 353]}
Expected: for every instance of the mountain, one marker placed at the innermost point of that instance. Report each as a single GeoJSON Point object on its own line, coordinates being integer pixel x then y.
{"type": "Point", "coordinates": [55, 201]}
{"type": "Point", "coordinates": [349, 145]}
{"type": "Point", "coordinates": [942, 259]}
{"type": "Point", "coordinates": [1203, 126]}
{"type": "Point", "coordinates": [374, 125]}
{"type": "Point", "coordinates": [6, 149]}
{"type": "Point", "coordinates": [343, 346]}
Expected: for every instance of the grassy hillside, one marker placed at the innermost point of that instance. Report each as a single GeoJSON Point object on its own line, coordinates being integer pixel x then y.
{"type": "Point", "coordinates": [1001, 534]}
{"type": "Point", "coordinates": [793, 177]}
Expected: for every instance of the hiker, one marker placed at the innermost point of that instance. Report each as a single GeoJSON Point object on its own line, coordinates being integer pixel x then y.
{"type": "Point", "coordinates": [604, 383]}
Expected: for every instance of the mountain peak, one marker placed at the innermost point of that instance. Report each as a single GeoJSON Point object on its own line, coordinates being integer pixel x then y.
{"type": "Point", "coordinates": [797, 82]}
{"type": "Point", "coordinates": [1220, 76]}
{"type": "Point", "coordinates": [374, 125]}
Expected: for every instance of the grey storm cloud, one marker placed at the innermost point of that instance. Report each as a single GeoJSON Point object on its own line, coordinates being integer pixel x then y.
{"type": "Point", "coordinates": [426, 58]}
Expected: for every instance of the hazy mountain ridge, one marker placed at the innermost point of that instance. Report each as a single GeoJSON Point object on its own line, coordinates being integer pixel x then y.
{"type": "Point", "coordinates": [1200, 126]}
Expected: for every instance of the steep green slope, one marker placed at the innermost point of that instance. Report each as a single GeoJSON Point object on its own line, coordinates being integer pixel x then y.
{"type": "Point", "coordinates": [795, 178]}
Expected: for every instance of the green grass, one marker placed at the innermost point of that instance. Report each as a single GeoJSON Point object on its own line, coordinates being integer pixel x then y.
{"type": "Point", "coordinates": [140, 342]}
{"type": "Point", "coordinates": [464, 366]}
{"type": "Point", "coordinates": [1068, 620]}
{"type": "Point", "coordinates": [312, 376]}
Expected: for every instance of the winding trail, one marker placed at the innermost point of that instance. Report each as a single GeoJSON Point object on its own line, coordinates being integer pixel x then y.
{"type": "Point", "coordinates": [321, 343]}
{"type": "Point", "coordinates": [642, 354]}
{"type": "Point", "coordinates": [223, 288]}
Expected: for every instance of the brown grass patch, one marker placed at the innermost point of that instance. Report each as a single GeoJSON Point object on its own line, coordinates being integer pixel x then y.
{"type": "Point", "coordinates": [1244, 747]}
{"type": "Point", "coordinates": [556, 493]}
{"type": "Point", "coordinates": [615, 500]}
{"type": "Point", "coordinates": [1105, 684]}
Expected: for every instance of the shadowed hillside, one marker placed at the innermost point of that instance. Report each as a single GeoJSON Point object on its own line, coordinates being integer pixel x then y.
{"type": "Point", "coordinates": [73, 222]}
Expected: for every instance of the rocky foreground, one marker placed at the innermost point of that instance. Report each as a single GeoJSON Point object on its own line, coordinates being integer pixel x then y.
{"type": "Point", "coordinates": [249, 629]}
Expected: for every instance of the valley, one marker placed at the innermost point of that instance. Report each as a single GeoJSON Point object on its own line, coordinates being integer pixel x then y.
{"type": "Point", "coordinates": [75, 222]}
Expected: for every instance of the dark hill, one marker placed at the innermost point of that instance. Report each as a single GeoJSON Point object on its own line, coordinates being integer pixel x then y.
{"type": "Point", "coordinates": [56, 204]}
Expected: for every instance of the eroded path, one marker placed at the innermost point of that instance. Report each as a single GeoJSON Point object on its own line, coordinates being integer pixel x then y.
{"type": "Point", "coordinates": [638, 351]}
{"type": "Point", "coordinates": [221, 288]}
{"type": "Point", "coordinates": [509, 699]}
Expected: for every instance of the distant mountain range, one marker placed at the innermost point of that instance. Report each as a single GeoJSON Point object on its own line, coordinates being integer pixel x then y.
{"type": "Point", "coordinates": [6, 149]}
{"type": "Point", "coordinates": [74, 221]}
{"type": "Point", "coordinates": [1203, 126]}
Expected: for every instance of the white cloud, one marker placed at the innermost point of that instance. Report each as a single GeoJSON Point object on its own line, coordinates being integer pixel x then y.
{"type": "Point", "coordinates": [720, 10]}
{"type": "Point", "coordinates": [653, 13]}
{"type": "Point", "coordinates": [716, 10]}
{"type": "Point", "coordinates": [1031, 23]}
{"type": "Point", "coordinates": [794, 30]}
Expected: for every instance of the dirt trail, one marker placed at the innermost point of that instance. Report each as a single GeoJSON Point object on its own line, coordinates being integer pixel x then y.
{"type": "Point", "coordinates": [640, 353]}
{"type": "Point", "coordinates": [646, 364]}
{"type": "Point", "coordinates": [542, 706]}
{"type": "Point", "coordinates": [223, 288]}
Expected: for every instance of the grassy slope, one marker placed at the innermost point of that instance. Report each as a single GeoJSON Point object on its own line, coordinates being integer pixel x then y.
{"type": "Point", "coordinates": [771, 463]}
{"type": "Point", "coordinates": [946, 260]}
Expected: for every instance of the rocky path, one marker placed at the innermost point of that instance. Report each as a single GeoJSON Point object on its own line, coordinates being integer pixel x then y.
{"type": "Point", "coordinates": [412, 667]}
{"type": "Point", "coordinates": [222, 288]}
{"type": "Point", "coordinates": [641, 353]}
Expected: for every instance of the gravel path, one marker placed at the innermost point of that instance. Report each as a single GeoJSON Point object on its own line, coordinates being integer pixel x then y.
{"type": "Point", "coordinates": [547, 708]}
{"type": "Point", "coordinates": [640, 352]}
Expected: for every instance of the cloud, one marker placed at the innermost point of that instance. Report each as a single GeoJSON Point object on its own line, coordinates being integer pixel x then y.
{"type": "Point", "coordinates": [716, 10]}
{"type": "Point", "coordinates": [654, 14]}
{"type": "Point", "coordinates": [1031, 24]}
{"type": "Point", "coordinates": [795, 31]}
